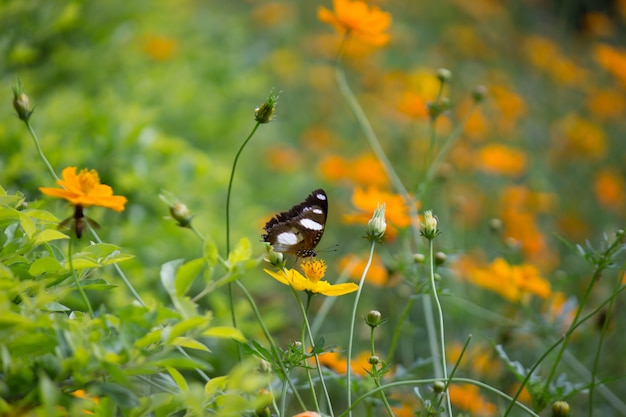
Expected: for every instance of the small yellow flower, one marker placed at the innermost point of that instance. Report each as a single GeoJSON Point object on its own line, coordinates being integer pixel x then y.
{"type": "Point", "coordinates": [311, 281]}
{"type": "Point", "coordinates": [85, 190]}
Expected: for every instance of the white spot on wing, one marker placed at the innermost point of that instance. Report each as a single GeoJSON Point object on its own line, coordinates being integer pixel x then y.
{"type": "Point", "coordinates": [318, 211]}
{"type": "Point", "coordinates": [320, 196]}
{"type": "Point", "coordinates": [287, 238]}
{"type": "Point", "coordinates": [311, 224]}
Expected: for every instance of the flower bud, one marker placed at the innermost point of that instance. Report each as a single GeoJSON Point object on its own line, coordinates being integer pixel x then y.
{"type": "Point", "coordinates": [373, 360]}
{"type": "Point", "coordinates": [439, 387]}
{"type": "Point", "coordinates": [376, 226]}
{"type": "Point", "coordinates": [479, 93]}
{"type": "Point", "coordinates": [440, 258]}
{"type": "Point", "coordinates": [444, 75]}
{"type": "Point", "coordinates": [373, 318]}
{"type": "Point", "coordinates": [560, 409]}
{"type": "Point", "coordinates": [181, 214]}
{"type": "Point", "coordinates": [429, 227]}
{"type": "Point", "coordinates": [21, 102]}
{"type": "Point", "coordinates": [495, 225]}
{"type": "Point", "coordinates": [275, 258]}
{"type": "Point", "coordinates": [418, 258]}
{"type": "Point", "coordinates": [264, 113]}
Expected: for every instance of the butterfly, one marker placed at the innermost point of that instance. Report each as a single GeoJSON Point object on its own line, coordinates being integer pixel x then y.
{"type": "Point", "coordinates": [299, 230]}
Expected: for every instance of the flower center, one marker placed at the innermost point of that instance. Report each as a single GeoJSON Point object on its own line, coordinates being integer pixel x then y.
{"type": "Point", "coordinates": [314, 270]}
{"type": "Point", "coordinates": [88, 180]}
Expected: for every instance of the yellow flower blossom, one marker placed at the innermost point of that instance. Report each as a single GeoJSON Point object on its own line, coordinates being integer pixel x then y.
{"type": "Point", "coordinates": [311, 281]}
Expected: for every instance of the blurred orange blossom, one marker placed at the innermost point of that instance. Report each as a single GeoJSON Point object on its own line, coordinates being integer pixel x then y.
{"type": "Point", "coordinates": [85, 190]}
{"type": "Point", "coordinates": [367, 200]}
{"type": "Point", "coordinates": [356, 18]}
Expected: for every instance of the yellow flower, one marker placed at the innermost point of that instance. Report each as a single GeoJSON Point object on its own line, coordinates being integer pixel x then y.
{"type": "Point", "coordinates": [356, 18]}
{"type": "Point", "coordinates": [85, 190]}
{"type": "Point", "coordinates": [311, 281]}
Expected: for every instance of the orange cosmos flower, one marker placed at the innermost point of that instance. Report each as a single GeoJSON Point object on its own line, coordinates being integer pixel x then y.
{"type": "Point", "coordinates": [468, 398]}
{"type": "Point", "coordinates": [500, 159]}
{"type": "Point", "coordinates": [85, 190]}
{"type": "Point", "coordinates": [159, 48]}
{"type": "Point", "coordinates": [335, 361]}
{"type": "Point", "coordinates": [356, 18]}
{"type": "Point", "coordinates": [396, 211]}
{"type": "Point", "coordinates": [377, 275]}
{"type": "Point", "coordinates": [609, 186]}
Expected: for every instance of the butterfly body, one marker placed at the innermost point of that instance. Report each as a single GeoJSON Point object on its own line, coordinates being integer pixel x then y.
{"type": "Point", "coordinates": [299, 230]}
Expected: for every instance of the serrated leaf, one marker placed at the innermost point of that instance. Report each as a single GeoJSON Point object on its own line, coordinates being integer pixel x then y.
{"type": "Point", "coordinates": [45, 265]}
{"type": "Point", "coordinates": [224, 332]}
{"type": "Point", "coordinates": [188, 342]}
{"type": "Point", "coordinates": [186, 273]}
{"type": "Point", "coordinates": [178, 378]}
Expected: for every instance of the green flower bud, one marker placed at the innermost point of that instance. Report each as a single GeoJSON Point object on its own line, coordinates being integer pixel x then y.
{"type": "Point", "coordinates": [444, 75]}
{"type": "Point", "coordinates": [181, 214]}
{"type": "Point", "coordinates": [479, 93]}
{"type": "Point", "coordinates": [560, 409]}
{"type": "Point", "coordinates": [373, 360]}
{"type": "Point", "coordinates": [439, 387]}
{"type": "Point", "coordinates": [440, 258]}
{"type": "Point", "coordinates": [264, 113]}
{"type": "Point", "coordinates": [376, 226]}
{"type": "Point", "coordinates": [429, 227]}
{"type": "Point", "coordinates": [418, 258]}
{"type": "Point", "coordinates": [373, 318]}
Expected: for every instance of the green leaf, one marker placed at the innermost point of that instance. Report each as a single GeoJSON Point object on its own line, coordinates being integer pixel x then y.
{"type": "Point", "coordinates": [189, 343]}
{"type": "Point", "coordinates": [184, 326]}
{"type": "Point", "coordinates": [95, 284]}
{"type": "Point", "coordinates": [28, 225]}
{"type": "Point", "coordinates": [168, 276]}
{"type": "Point", "coordinates": [178, 378]}
{"type": "Point", "coordinates": [186, 274]}
{"type": "Point", "coordinates": [210, 252]}
{"type": "Point", "coordinates": [48, 235]}
{"type": "Point", "coordinates": [45, 265]}
{"type": "Point", "coordinates": [241, 252]}
{"type": "Point", "coordinates": [56, 307]}
{"type": "Point", "coordinates": [215, 385]}
{"type": "Point", "coordinates": [41, 215]}
{"type": "Point", "coordinates": [225, 332]}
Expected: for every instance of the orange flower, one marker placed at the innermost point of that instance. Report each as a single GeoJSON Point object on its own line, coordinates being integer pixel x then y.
{"type": "Point", "coordinates": [85, 190]}
{"type": "Point", "coordinates": [500, 159]}
{"type": "Point", "coordinates": [307, 414]}
{"type": "Point", "coordinates": [396, 210]}
{"type": "Point", "coordinates": [335, 361]}
{"type": "Point", "coordinates": [468, 398]}
{"type": "Point", "coordinates": [159, 48]}
{"type": "Point", "coordinates": [613, 60]}
{"type": "Point", "coordinates": [609, 189]}
{"type": "Point", "coordinates": [365, 170]}
{"type": "Point", "coordinates": [356, 18]}
{"type": "Point", "coordinates": [607, 104]}
{"type": "Point", "coordinates": [513, 282]}
{"type": "Point", "coordinates": [377, 275]}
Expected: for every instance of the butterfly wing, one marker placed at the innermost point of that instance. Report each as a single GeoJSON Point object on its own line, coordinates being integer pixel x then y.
{"type": "Point", "coordinates": [299, 230]}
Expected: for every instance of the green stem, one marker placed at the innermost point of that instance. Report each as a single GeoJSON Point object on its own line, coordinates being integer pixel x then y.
{"type": "Point", "coordinates": [596, 359]}
{"type": "Point", "coordinates": [230, 183]}
{"type": "Point", "coordinates": [121, 273]}
{"type": "Point", "coordinates": [352, 322]}
{"type": "Point", "coordinates": [376, 375]}
{"type": "Point", "coordinates": [413, 382]}
{"type": "Point", "coordinates": [273, 346]}
{"type": "Point", "coordinates": [442, 341]}
{"type": "Point", "coordinates": [40, 151]}
{"type": "Point", "coordinates": [601, 264]}
{"type": "Point", "coordinates": [75, 276]}
{"type": "Point", "coordinates": [304, 311]}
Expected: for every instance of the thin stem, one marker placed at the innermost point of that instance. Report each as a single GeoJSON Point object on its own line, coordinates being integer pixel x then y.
{"type": "Point", "coordinates": [121, 273]}
{"type": "Point", "coordinates": [269, 338]}
{"type": "Point", "coordinates": [230, 183]}
{"type": "Point", "coordinates": [596, 359]}
{"type": "Point", "coordinates": [75, 276]}
{"type": "Point", "coordinates": [413, 382]}
{"type": "Point", "coordinates": [353, 320]}
{"type": "Point", "coordinates": [40, 151]}
{"type": "Point", "coordinates": [304, 311]}
{"type": "Point", "coordinates": [376, 375]}
{"type": "Point", "coordinates": [442, 340]}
